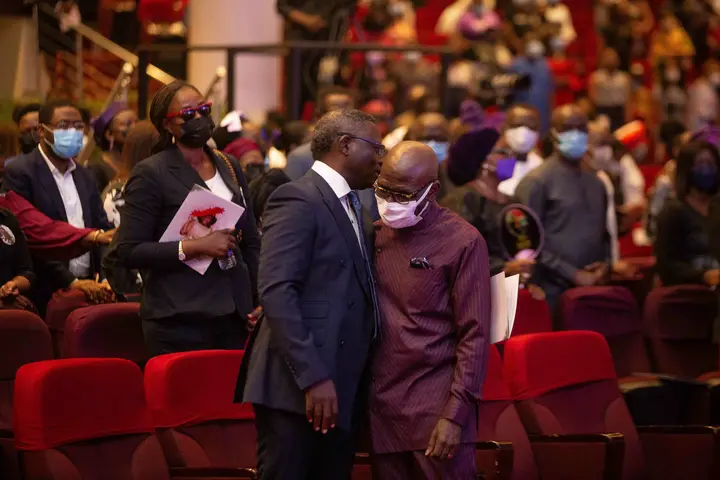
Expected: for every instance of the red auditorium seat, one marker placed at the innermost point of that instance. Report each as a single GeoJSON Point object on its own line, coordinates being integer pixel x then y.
{"type": "Point", "coordinates": [24, 338]}
{"type": "Point", "coordinates": [678, 322]}
{"type": "Point", "coordinates": [87, 418]}
{"type": "Point", "coordinates": [113, 330]}
{"type": "Point", "coordinates": [190, 396]}
{"type": "Point", "coordinates": [564, 382]}
{"type": "Point", "coordinates": [613, 313]}
{"type": "Point", "coordinates": [546, 456]}
{"type": "Point", "coordinates": [533, 316]}
{"type": "Point", "coordinates": [62, 304]}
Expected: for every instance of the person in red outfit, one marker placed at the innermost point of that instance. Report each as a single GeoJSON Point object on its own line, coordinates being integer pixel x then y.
{"type": "Point", "coordinates": [50, 239]}
{"type": "Point", "coordinates": [429, 366]}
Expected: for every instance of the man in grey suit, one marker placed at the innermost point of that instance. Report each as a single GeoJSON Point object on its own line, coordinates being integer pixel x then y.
{"type": "Point", "coordinates": [304, 364]}
{"type": "Point", "coordinates": [301, 159]}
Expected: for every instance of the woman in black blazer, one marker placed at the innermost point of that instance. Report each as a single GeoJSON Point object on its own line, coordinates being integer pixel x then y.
{"type": "Point", "coordinates": [181, 309]}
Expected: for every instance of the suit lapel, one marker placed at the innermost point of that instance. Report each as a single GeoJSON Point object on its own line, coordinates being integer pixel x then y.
{"type": "Point", "coordinates": [84, 195]}
{"type": "Point", "coordinates": [180, 169]}
{"type": "Point", "coordinates": [48, 184]}
{"type": "Point", "coordinates": [346, 229]}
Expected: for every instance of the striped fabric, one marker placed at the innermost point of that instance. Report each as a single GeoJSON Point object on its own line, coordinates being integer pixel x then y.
{"type": "Point", "coordinates": [430, 359]}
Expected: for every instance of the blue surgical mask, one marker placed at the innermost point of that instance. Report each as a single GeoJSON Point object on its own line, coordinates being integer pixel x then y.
{"type": "Point", "coordinates": [440, 149]}
{"type": "Point", "coordinates": [68, 142]}
{"type": "Point", "coordinates": [572, 144]}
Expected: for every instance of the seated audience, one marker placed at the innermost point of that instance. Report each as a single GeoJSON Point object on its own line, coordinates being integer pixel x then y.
{"type": "Point", "coordinates": [682, 245]}
{"type": "Point", "coordinates": [180, 309]}
{"type": "Point", "coordinates": [110, 131]}
{"type": "Point", "coordinates": [571, 204]}
{"type": "Point", "coordinates": [292, 135]}
{"type": "Point", "coordinates": [49, 178]}
{"type": "Point", "coordinates": [16, 268]}
{"type": "Point", "coordinates": [532, 62]}
{"type": "Point", "coordinates": [139, 144]}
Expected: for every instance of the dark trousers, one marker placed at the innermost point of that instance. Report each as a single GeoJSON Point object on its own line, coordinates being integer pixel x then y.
{"type": "Point", "coordinates": [183, 334]}
{"type": "Point", "coordinates": [289, 448]}
{"type": "Point", "coordinates": [415, 465]}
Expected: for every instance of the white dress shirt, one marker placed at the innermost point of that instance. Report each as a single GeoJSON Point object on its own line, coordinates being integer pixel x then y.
{"type": "Point", "coordinates": [507, 187]}
{"type": "Point", "coordinates": [341, 188]}
{"type": "Point", "coordinates": [79, 266]}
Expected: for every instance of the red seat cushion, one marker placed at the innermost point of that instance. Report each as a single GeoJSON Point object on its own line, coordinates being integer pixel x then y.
{"type": "Point", "coordinates": [191, 401]}
{"type": "Point", "coordinates": [106, 331]}
{"type": "Point", "coordinates": [59, 402]}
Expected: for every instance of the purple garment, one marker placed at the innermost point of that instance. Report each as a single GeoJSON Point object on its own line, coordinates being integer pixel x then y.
{"type": "Point", "coordinates": [430, 358]}
{"type": "Point", "coordinates": [473, 27]}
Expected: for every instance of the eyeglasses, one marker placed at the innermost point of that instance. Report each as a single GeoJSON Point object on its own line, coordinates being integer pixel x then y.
{"type": "Point", "coordinates": [398, 197]}
{"type": "Point", "coordinates": [66, 125]}
{"type": "Point", "coordinates": [379, 148]}
{"type": "Point", "coordinates": [188, 114]}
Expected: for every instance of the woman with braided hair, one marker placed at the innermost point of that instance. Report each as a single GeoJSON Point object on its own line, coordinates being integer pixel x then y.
{"type": "Point", "coordinates": [181, 309]}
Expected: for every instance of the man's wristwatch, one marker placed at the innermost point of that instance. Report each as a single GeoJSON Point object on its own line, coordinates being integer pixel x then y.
{"type": "Point", "coordinates": [181, 254]}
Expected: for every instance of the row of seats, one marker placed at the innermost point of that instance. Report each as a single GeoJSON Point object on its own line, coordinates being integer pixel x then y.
{"type": "Point", "coordinates": [551, 408]}
{"type": "Point", "coordinates": [676, 326]}
{"type": "Point", "coordinates": [176, 421]}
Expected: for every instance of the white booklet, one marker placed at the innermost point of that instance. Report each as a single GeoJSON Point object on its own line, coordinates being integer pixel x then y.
{"type": "Point", "coordinates": [503, 305]}
{"type": "Point", "coordinates": [200, 214]}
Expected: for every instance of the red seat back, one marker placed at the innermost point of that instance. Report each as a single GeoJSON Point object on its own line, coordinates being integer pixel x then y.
{"type": "Point", "coordinates": [499, 421]}
{"type": "Point", "coordinates": [62, 304]}
{"type": "Point", "coordinates": [532, 316]}
{"type": "Point", "coordinates": [85, 418]}
{"type": "Point", "coordinates": [613, 313]}
{"type": "Point", "coordinates": [113, 330]}
{"type": "Point", "coordinates": [679, 324]}
{"type": "Point", "coordinates": [24, 338]}
{"type": "Point", "coordinates": [190, 396]}
{"type": "Point", "coordinates": [565, 383]}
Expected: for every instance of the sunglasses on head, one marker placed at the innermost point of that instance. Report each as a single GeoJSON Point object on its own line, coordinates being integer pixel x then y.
{"type": "Point", "coordinates": [188, 113]}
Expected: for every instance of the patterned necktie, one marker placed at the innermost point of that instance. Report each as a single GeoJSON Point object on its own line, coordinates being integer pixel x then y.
{"type": "Point", "coordinates": [357, 209]}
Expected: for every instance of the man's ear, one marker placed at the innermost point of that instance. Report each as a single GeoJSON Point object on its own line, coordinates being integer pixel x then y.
{"type": "Point", "coordinates": [344, 145]}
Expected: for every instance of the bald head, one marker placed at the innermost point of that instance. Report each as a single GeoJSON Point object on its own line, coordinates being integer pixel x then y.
{"type": "Point", "coordinates": [569, 117]}
{"type": "Point", "coordinates": [408, 167]}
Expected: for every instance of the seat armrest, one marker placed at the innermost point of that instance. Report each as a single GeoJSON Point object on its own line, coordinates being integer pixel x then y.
{"type": "Point", "coordinates": [504, 456]}
{"type": "Point", "coordinates": [679, 430]}
{"type": "Point", "coordinates": [212, 472]}
{"type": "Point", "coordinates": [579, 455]}
{"type": "Point", "coordinates": [362, 459]}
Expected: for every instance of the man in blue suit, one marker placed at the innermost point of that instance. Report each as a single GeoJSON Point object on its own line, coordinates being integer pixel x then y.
{"type": "Point", "coordinates": [304, 365]}
{"type": "Point", "coordinates": [49, 178]}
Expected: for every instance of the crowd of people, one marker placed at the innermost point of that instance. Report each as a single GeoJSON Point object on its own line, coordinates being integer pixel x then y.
{"type": "Point", "coordinates": [338, 314]}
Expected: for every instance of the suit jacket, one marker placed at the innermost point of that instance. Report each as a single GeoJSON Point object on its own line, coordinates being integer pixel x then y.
{"type": "Point", "coordinates": [153, 194]}
{"type": "Point", "coordinates": [314, 288]}
{"type": "Point", "coordinates": [29, 176]}
{"type": "Point", "coordinates": [300, 161]}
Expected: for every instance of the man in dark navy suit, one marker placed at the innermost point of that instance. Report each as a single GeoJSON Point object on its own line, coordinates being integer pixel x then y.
{"type": "Point", "coordinates": [306, 360]}
{"type": "Point", "coordinates": [49, 178]}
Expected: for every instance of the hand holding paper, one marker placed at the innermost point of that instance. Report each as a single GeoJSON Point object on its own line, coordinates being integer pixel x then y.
{"type": "Point", "coordinates": [503, 298]}
{"type": "Point", "coordinates": [205, 223]}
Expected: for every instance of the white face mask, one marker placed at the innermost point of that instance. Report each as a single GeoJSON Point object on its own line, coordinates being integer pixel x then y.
{"type": "Point", "coordinates": [535, 49]}
{"type": "Point", "coordinates": [521, 139]}
{"type": "Point", "coordinates": [396, 215]}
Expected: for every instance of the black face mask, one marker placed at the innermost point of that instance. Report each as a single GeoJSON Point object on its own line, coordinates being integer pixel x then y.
{"type": "Point", "coordinates": [28, 142]}
{"type": "Point", "coordinates": [253, 171]}
{"type": "Point", "coordinates": [197, 132]}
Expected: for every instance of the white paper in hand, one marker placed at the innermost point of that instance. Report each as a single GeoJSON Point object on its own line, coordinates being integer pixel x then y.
{"type": "Point", "coordinates": [512, 287]}
{"type": "Point", "coordinates": [498, 309]}
{"type": "Point", "coordinates": [200, 214]}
